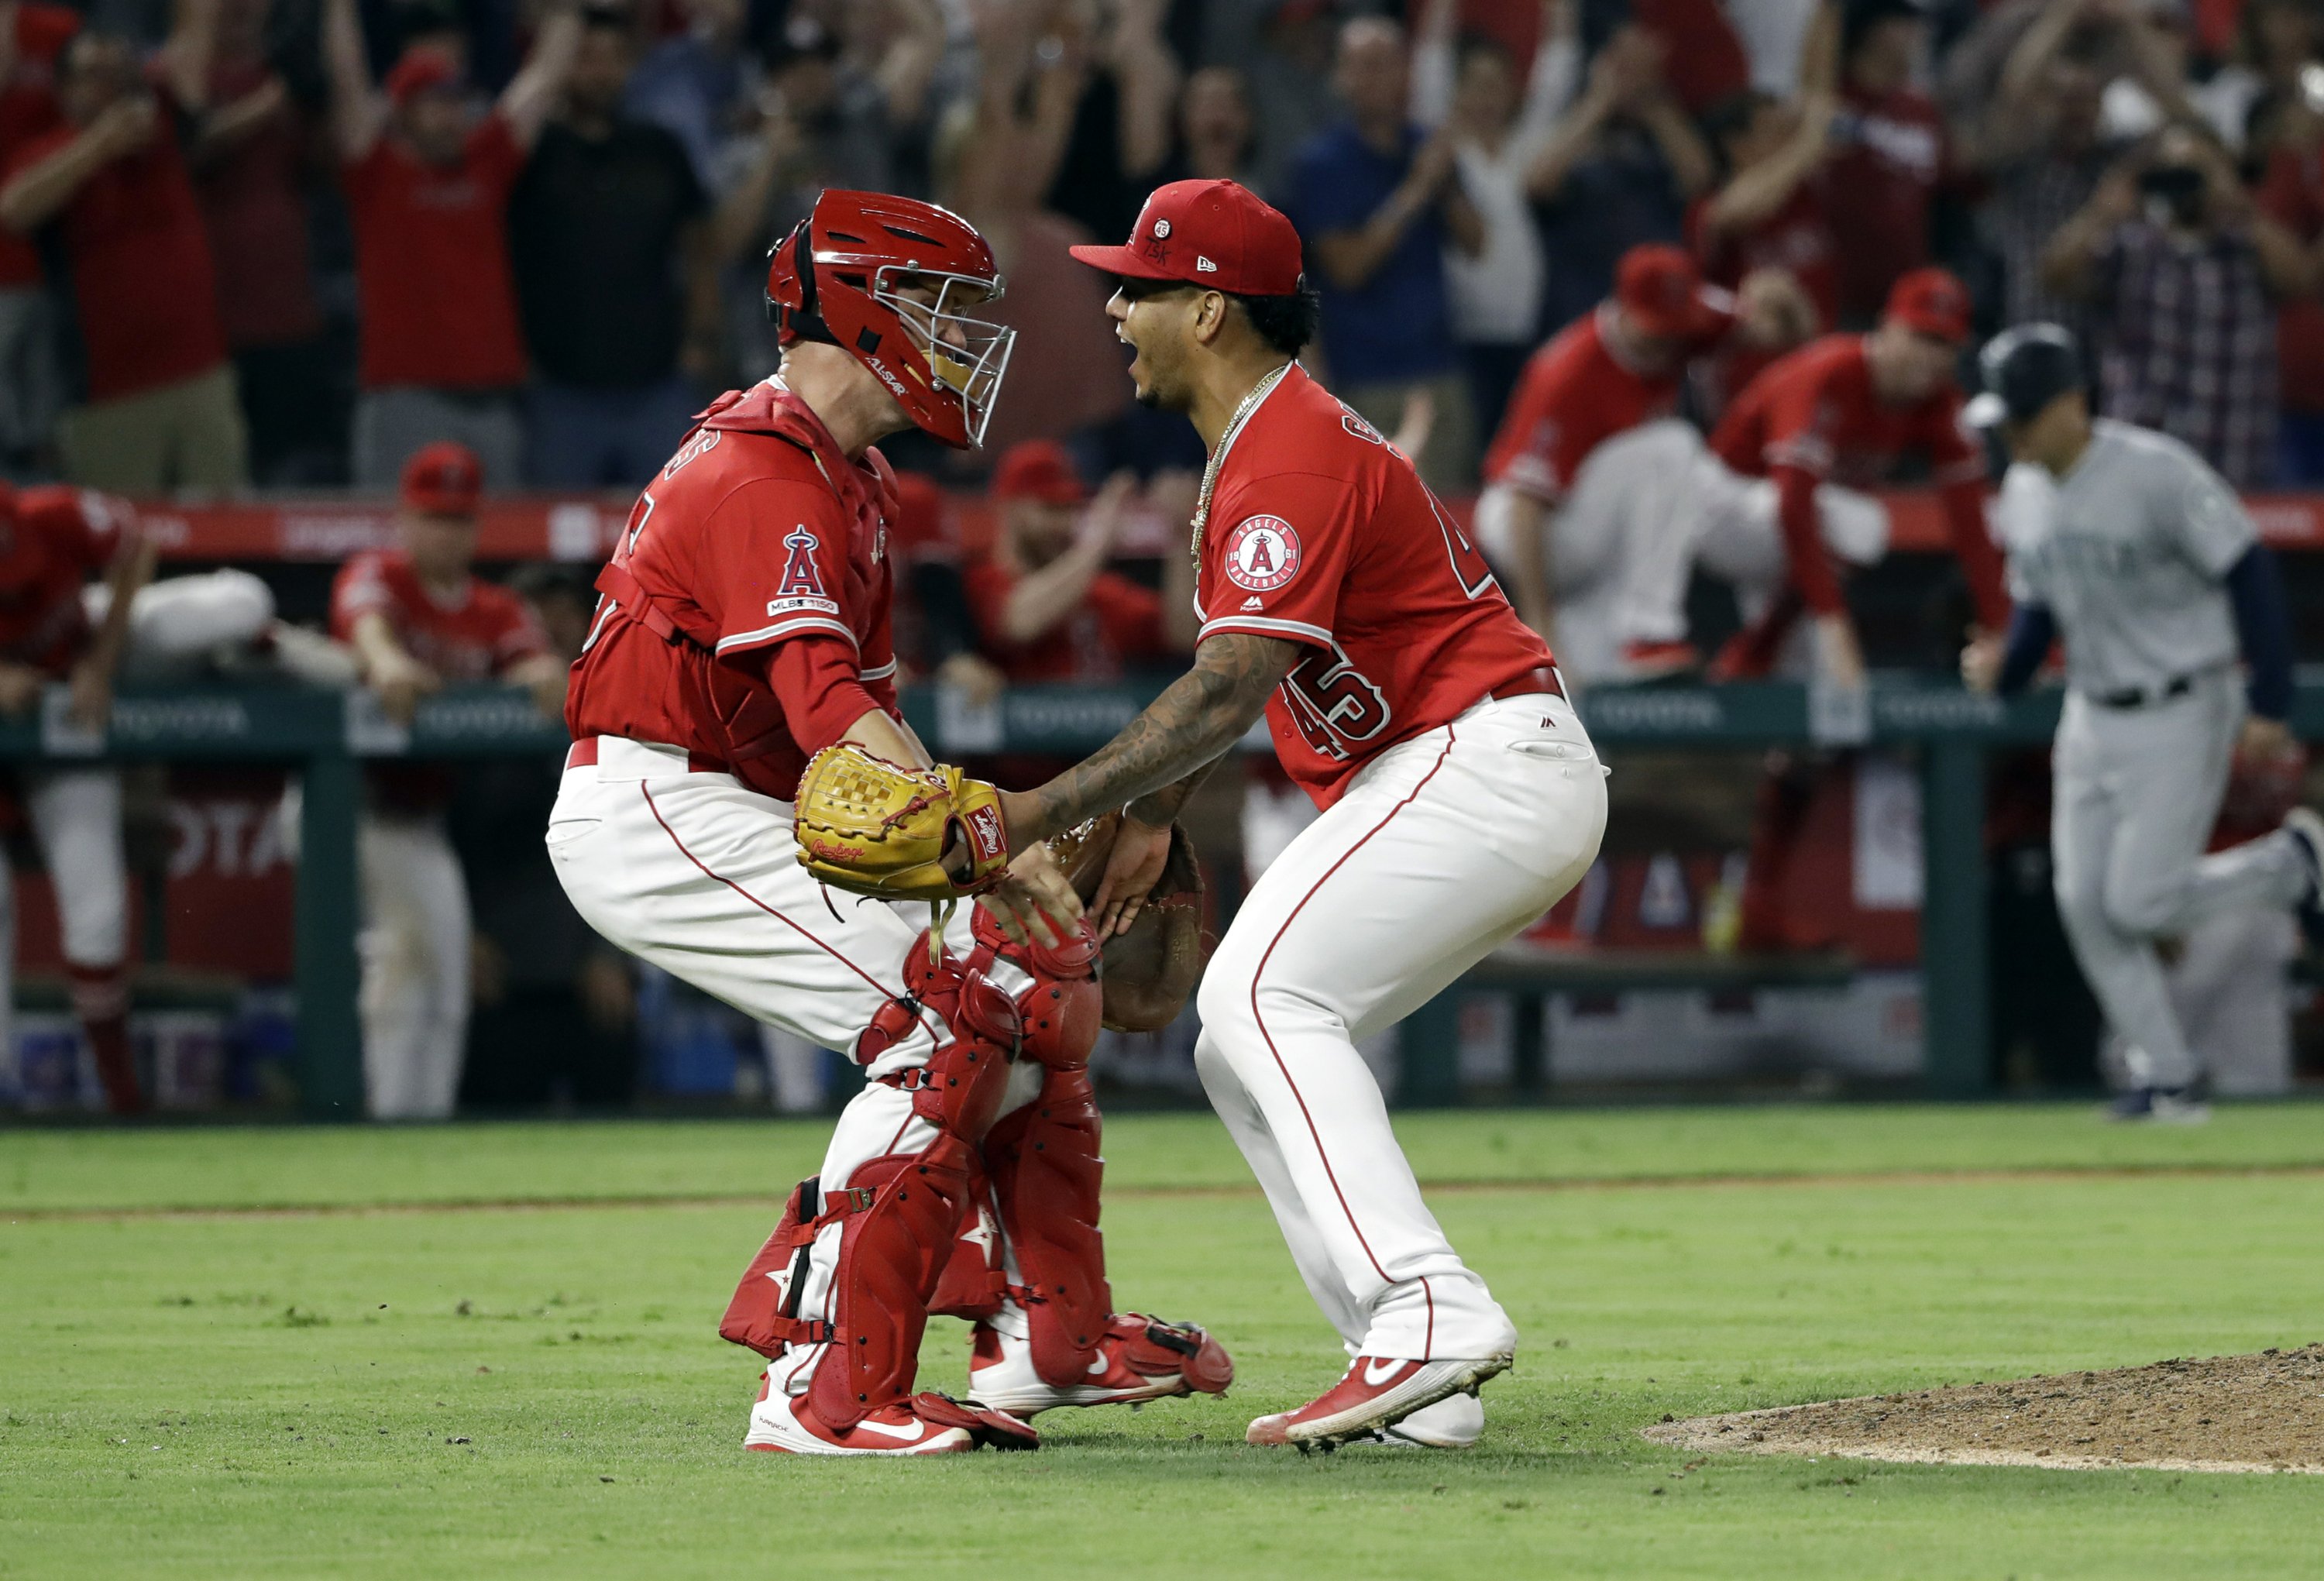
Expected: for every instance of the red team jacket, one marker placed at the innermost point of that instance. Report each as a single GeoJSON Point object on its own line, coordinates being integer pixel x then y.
{"type": "Point", "coordinates": [1322, 535]}
{"type": "Point", "coordinates": [747, 610]}
{"type": "Point", "coordinates": [52, 540]}
{"type": "Point", "coordinates": [1574, 394]}
{"type": "Point", "coordinates": [1812, 418]}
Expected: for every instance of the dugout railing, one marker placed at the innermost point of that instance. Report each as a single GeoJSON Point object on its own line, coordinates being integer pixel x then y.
{"type": "Point", "coordinates": [326, 737]}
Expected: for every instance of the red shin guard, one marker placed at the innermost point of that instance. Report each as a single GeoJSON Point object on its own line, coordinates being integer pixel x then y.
{"type": "Point", "coordinates": [1046, 1172]}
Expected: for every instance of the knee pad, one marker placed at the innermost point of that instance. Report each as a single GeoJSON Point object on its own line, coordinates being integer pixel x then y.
{"type": "Point", "coordinates": [1046, 1173]}
{"type": "Point", "coordinates": [1061, 1012]}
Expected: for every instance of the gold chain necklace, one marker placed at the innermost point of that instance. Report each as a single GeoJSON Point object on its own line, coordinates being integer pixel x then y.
{"type": "Point", "coordinates": [1249, 405]}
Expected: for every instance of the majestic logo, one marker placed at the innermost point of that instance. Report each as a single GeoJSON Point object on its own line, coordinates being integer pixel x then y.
{"type": "Point", "coordinates": [1253, 603]}
{"type": "Point", "coordinates": [801, 577]}
{"type": "Point", "coordinates": [1262, 553]}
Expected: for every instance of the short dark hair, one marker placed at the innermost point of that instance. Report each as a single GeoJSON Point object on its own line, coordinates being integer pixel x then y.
{"type": "Point", "coordinates": [1858, 18]}
{"type": "Point", "coordinates": [1287, 324]}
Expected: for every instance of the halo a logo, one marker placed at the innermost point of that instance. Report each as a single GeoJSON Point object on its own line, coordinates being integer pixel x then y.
{"type": "Point", "coordinates": [1262, 553]}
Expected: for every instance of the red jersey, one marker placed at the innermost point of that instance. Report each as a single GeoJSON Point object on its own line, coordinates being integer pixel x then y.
{"type": "Point", "coordinates": [1321, 534]}
{"type": "Point", "coordinates": [1575, 394]}
{"type": "Point", "coordinates": [51, 541]}
{"type": "Point", "coordinates": [1877, 190]}
{"type": "Point", "coordinates": [746, 616]}
{"type": "Point", "coordinates": [1117, 623]}
{"type": "Point", "coordinates": [28, 109]}
{"type": "Point", "coordinates": [432, 271]}
{"type": "Point", "coordinates": [1812, 418]}
{"type": "Point", "coordinates": [144, 291]}
{"type": "Point", "coordinates": [2293, 195]}
{"type": "Point", "coordinates": [472, 638]}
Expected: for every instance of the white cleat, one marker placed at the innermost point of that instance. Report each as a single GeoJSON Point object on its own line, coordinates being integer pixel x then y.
{"type": "Point", "coordinates": [926, 1424]}
{"type": "Point", "coordinates": [1454, 1422]}
{"type": "Point", "coordinates": [1138, 1359]}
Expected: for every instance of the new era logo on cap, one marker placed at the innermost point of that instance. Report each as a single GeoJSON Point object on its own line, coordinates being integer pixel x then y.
{"type": "Point", "coordinates": [1216, 234]}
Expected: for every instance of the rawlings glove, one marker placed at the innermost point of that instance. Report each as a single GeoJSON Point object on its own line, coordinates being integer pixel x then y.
{"type": "Point", "coordinates": [866, 825]}
{"type": "Point", "coordinates": [1149, 971]}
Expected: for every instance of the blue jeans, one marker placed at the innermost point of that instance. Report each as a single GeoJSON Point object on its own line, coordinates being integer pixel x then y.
{"type": "Point", "coordinates": [580, 438]}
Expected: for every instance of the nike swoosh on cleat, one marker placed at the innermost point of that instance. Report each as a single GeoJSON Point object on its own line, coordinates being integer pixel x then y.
{"type": "Point", "coordinates": [1100, 1364]}
{"type": "Point", "coordinates": [1379, 1373]}
{"type": "Point", "coordinates": [910, 1432]}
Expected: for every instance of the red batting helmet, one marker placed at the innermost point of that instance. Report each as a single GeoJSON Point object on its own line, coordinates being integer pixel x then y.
{"type": "Point", "coordinates": [839, 278]}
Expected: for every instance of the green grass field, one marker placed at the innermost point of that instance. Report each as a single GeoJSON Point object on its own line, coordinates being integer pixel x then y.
{"type": "Point", "coordinates": [511, 1367]}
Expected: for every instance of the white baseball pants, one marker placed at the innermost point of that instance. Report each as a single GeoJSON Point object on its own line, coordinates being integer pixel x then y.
{"type": "Point", "coordinates": [2135, 791]}
{"type": "Point", "coordinates": [1443, 846]}
{"type": "Point", "coordinates": [1647, 508]}
{"type": "Point", "coordinates": [414, 950]}
{"type": "Point", "coordinates": [700, 875]}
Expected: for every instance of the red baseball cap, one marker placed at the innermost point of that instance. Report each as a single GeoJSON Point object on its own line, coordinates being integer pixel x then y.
{"type": "Point", "coordinates": [1216, 234]}
{"type": "Point", "coordinates": [1932, 301]}
{"type": "Point", "coordinates": [421, 70]}
{"type": "Point", "coordinates": [1038, 469]}
{"type": "Point", "coordinates": [1662, 291]}
{"type": "Point", "coordinates": [443, 479]}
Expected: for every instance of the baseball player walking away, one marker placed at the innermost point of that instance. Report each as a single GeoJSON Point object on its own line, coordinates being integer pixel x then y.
{"type": "Point", "coordinates": [1459, 795]}
{"type": "Point", "coordinates": [2124, 544]}
{"type": "Point", "coordinates": [418, 619]}
{"type": "Point", "coordinates": [745, 629]}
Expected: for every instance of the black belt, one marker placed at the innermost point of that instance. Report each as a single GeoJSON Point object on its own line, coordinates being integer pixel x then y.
{"type": "Point", "coordinates": [2144, 697]}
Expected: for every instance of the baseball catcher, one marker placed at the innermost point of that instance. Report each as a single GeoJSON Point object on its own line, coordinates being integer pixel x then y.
{"type": "Point", "coordinates": [737, 741]}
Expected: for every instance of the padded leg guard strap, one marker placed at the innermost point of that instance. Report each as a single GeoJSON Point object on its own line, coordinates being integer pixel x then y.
{"type": "Point", "coordinates": [1046, 1175]}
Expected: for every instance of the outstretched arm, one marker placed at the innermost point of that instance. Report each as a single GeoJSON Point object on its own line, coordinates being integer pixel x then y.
{"type": "Point", "coordinates": [1204, 711]}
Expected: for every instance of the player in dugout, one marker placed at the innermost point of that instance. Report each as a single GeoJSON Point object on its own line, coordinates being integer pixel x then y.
{"type": "Point", "coordinates": [418, 619]}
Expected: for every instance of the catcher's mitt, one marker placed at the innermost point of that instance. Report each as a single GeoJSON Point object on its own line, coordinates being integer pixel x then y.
{"type": "Point", "coordinates": [869, 826]}
{"type": "Point", "coordinates": [1149, 971]}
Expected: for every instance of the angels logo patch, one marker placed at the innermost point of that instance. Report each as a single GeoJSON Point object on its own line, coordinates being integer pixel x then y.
{"type": "Point", "coordinates": [1262, 553]}
{"type": "Point", "coordinates": [801, 587]}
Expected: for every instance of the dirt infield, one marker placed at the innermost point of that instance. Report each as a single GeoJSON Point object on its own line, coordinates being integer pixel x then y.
{"type": "Point", "coordinates": [2261, 1413]}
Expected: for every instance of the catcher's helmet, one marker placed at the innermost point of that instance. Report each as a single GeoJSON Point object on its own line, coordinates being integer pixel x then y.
{"type": "Point", "coordinates": [840, 278]}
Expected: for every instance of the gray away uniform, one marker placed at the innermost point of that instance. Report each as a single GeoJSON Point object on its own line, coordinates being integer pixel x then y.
{"type": "Point", "coordinates": [2128, 552]}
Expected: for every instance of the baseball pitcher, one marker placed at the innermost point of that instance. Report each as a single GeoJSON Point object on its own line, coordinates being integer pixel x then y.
{"type": "Point", "coordinates": [737, 741]}
{"type": "Point", "coordinates": [1460, 797]}
{"type": "Point", "coordinates": [2124, 544]}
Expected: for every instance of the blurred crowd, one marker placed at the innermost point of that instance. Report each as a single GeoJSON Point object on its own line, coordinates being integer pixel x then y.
{"type": "Point", "coordinates": [288, 242]}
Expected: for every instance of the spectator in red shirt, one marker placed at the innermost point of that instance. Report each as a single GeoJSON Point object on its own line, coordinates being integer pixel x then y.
{"type": "Point", "coordinates": [249, 175]}
{"type": "Point", "coordinates": [1045, 603]}
{"type": "Point", "coordinates": [160, 410]}
{"type": "Point", "coordinates": [419, 617]}
{"type": "Point", "coordinates": [2291, 193]}
{"type": "Point", "coordinates": [1878, 187]}
{"type": "Point", "coordinates": [32, 390]}
{"type": "Point", "coordinates": [427, 188]}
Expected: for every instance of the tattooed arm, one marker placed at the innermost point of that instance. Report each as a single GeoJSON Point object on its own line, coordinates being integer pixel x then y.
{"type": "Point", "coordinates": [1190, 726]}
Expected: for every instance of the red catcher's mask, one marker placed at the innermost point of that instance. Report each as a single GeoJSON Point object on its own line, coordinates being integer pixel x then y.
{"type": "Point", "coordinates": [841, 276]}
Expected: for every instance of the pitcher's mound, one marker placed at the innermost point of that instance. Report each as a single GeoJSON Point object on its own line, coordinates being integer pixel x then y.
{"type": "Point", "coordinates": [2261, 1413]}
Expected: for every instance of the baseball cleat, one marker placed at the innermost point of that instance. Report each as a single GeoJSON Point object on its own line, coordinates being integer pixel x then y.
{"type": "Point", "coordinates": [2161, 1106]}
{"type": "Point", "coordinates": [1454, 1422]}
{"type": "Point", "coordinates": [926, 1424]}
{"type": "Point", "coordinates": [1138, 1359]}
{"type": "Point", "coordinates": [1377, 1392]}
{"type": "Point", "coordinates": [2307, 831]}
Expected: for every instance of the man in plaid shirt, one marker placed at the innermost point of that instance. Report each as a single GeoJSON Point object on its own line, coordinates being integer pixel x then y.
{"type": "Point", "coordinates": [2184, 274]}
